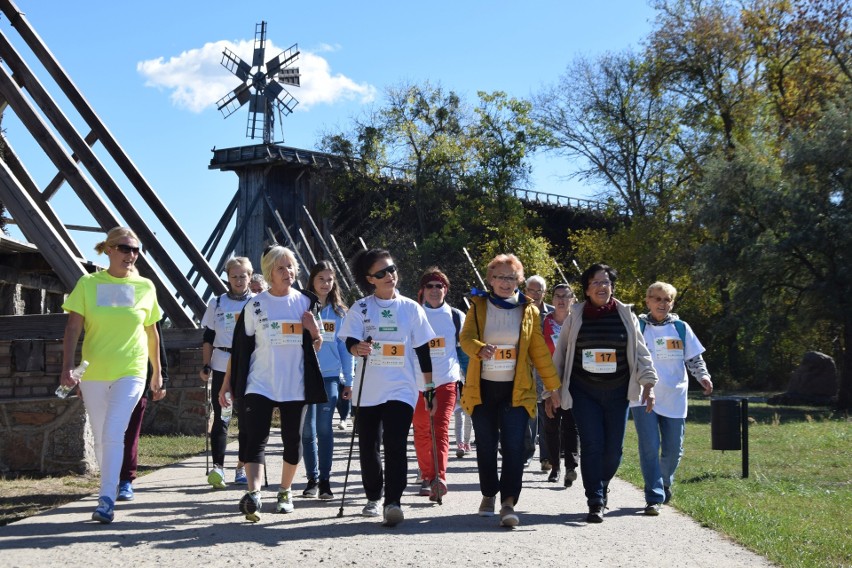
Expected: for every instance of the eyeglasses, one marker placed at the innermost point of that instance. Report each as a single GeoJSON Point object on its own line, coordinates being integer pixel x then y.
{"type": "Point", "coordinates": [600, 283]}
{"type": "Point", "coordinates": [563, 296]}
{"type": "Point", "coordinates": [378, 275]}
{"type": "Point", "coordinates": [534, 291]}
{"type": "Point", "coordinates": [126, 249]}
{"type": "Point", "coordinates": [434, 285]}
{"type": "Point", "coordinates": [506, 278]}
{"type": "Point", "coordinates": [659, 299]}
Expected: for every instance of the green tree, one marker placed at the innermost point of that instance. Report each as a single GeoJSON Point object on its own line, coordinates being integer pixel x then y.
{"type": "Point", "coordinates": [787, 217]}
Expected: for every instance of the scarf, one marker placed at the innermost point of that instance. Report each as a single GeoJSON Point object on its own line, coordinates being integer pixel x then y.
{"type": "Point", "coordinates": [502, 303]}
{"type": "Point", "coordinates": [590, 311]}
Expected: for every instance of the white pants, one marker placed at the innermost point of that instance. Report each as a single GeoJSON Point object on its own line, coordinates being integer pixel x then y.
{"type": "Point", "coordinates": [109, 405]}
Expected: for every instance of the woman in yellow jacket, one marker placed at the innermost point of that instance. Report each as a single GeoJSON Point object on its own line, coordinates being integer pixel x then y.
{"type": "Point", "coordinates": [502, 335]}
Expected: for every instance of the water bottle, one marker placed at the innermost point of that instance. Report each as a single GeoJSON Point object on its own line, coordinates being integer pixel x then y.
{"type": "Point", "coordinates": [62, 391]}
{"type": "Point", "coordinates": [227, 410]}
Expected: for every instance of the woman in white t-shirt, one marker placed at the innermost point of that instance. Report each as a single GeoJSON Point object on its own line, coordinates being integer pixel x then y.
{"type": "Point", "coordinates": [674, 350]}
{"type": "Point", "coordinates": [386, 390]}
{"type": "Point", "coordinates": [219, 322]}
{"type": "Point", "coordinates": [267, 371]}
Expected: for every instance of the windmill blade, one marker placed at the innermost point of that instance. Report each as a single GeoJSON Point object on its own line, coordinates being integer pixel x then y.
{"type": "Point", "coordinates": [279, 96]}
{"type": "Point", "coordinates": [235, 65]}
{"type": "Point", "coordinates": [282, 60]}
{"type": "Point", "coordinates": [233, 100]}
{"type": "Point", "coordinates": [256, 116]}
{"type": "Point", "coordinates": [290, 76]}
{"type": "Point", "coordinates": [259, 44]}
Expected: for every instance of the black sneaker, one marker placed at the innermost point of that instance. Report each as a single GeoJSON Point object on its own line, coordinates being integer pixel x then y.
{"type": "Point", "coordinates": [250, 506]}
{"type": "Point", "coordinates": [570, 477]}
{"type": "Point", "coordinates": [325, 493]}
{"type": "Point", "coordinates": [668, 492]}
{"type": "Point", "coordinates": [596, 514]}
{"type": "Point", "coordinates": [554, 476]}
{"type": "Point", "coordinates": [311, 489]}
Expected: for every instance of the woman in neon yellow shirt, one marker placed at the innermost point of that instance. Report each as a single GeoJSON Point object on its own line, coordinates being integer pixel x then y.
{"type": "Point", "coordinates": [118, 311]}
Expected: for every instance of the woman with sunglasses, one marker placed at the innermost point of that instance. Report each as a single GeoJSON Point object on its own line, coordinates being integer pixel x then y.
{"type": "Point", "coordinates": [386, 389]}
{"type": "Point", "coordinates": [118, 311]}
{"type": "Point", "coordinates": [674, 350]}
{"type": "Point", "coordinates": [219, 322]}
{"type": "Point", "coordinates": [446, 373]}
{"type": "Point", "coordinates": [267, 371]}
{"type": "Point", "coordinates": [560, 430]}
{"type": "Point", "coordinates": [336, 366]}
{"type": "Point", "coordinates": [604, 364]}
{"type": "Point", "coordinates": [502, 335]}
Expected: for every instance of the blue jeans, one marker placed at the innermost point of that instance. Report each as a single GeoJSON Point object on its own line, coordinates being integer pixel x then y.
{"type": "Point", "coordinates": [660, 449]}
{"type": "Point", "coordinates": [601, 417]}
{"type": "Point", "coordinates": [317, 433]}
{"type": "Point", "coordinates": [497, 420]}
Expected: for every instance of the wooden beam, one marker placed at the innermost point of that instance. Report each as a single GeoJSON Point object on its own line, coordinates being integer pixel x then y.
{"type": "Point", "coordinates": [59, 179]}
{"type": "Point", "coordinates": [38, 229]}
{"type": "Point", "coordinates": [52, 326]}
{"type": "Point", "coordinates": [32, 280]}
{"type": "Point", "coordinates": [23, 176]}
{"type": "Point", "coordinates": [111, 145]}
{"type": "Point", "coordinates": [56, 152]}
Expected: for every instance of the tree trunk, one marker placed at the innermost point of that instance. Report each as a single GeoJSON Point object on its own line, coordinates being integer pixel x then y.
{"type": "Point", "coordinates": [844, 395]}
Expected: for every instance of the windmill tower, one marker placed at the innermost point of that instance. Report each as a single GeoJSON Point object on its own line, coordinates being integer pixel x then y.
{"type": "Point", "coordinates": [262, 86]}
{"type": "Point", "coordinates": [278, 196]}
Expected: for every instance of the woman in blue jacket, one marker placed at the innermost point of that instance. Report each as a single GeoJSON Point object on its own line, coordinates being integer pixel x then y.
{"type": "Point", "coordinates": [336, 366]}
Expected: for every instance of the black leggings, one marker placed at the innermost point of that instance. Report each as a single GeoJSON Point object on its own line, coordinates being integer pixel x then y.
{"type": "Point", "coordinates": [256, 420]}
{"type": "Point", "coordinates": [393, 420]}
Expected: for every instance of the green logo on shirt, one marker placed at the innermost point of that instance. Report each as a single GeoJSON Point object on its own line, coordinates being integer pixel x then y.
{"type": "Point", "coordinates": [387, 314]}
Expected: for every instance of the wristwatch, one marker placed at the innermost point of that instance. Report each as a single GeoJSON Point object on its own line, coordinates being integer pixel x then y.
{"type": "Point", "coordinates": [206, 369]}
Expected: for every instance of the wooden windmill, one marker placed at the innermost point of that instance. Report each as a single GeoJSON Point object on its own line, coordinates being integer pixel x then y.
{"type": "Point", "coordinates": [277, 198]}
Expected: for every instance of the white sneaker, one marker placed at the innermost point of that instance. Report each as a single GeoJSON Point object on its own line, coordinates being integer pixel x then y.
{"type": "Point", "coordinates": [393, 515]}
{"type": "Point", "coordinates": [371, 509]}
{"type": "Point", "coordinates": [341, 425]}
{"type": "Point", "coordinates": [285, 502]}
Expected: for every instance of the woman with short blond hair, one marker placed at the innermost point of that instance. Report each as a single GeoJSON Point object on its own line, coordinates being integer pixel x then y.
{"type": "Point", "coordinates": [502, 335]}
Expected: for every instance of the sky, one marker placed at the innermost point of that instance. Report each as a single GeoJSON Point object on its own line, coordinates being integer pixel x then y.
{"type": "Point", "coordinates": [151, 71]}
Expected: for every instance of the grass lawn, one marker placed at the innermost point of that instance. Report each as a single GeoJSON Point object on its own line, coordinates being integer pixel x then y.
{"type": "Point", "coordinates": [795, 507]}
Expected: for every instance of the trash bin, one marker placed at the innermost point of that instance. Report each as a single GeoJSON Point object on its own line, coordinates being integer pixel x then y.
{"type": "Point", "coordinates": [725, 420]}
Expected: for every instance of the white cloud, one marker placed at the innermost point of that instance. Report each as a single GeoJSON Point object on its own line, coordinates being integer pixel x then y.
{"type": "Point", "coordinates": [196, 78]}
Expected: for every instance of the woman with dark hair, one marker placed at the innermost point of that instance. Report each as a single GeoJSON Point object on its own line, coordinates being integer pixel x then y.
{"type": "Point", "coordinates": [118, 311]}
{"type": "Point", "coordinates": [380, 331]}
{"type": "Point", "coordinates": [336, 366]}
{"type": "Point", "coordinates": [502, 335]}
{"type": "Point", "coordinates": [604, 364]}
{"type": "Point", "coordinates": [267, 371]}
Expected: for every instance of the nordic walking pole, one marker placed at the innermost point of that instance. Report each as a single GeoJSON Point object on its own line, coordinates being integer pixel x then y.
{"type": "Point", "coordinates": [354, 424]}
{"type": "Point", "coordinates": [208, 406]}
{"type": "Point", "coordinates": [430, 400]}
{"type": "Point", "coordinates": [472, 265]}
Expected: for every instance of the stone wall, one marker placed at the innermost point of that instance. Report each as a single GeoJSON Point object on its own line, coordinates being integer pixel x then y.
{"type": "Point", "coordinates": [42, 434]}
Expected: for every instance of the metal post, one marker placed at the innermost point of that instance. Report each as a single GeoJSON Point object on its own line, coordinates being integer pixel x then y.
{"type": "Point", "coordinates": [744, 414]}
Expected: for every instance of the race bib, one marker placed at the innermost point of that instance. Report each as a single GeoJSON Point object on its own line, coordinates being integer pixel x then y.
{"type": "Point", "coordinates": [599, 360]}
{"type": "Point", "coordinates": [505, 358]}
{"type": "Point", "coordinates": [437, 347]}
{"type": "Point", "coordinates": [327, 332]}
{"type": "Point", "coordinates": [386, 354]}
{"type": "Point", "coordinates": [229, 321]}
{"type": "Point", "coordinates": [285, 332]}
{"type": "Point", "coordinates": [116, 296]}
{"type": "Point", "coordinates": [668, 349]}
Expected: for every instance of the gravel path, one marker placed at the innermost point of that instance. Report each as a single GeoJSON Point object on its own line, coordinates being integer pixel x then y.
{"type": "Point", "coordinates": [177, 520]}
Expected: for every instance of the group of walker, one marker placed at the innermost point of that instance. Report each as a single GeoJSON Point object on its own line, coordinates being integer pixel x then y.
{"type": "Point", "coordinates": [294, 350]}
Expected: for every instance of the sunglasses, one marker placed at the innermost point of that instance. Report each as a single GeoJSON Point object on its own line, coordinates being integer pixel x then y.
{"type": "Point", "coordinates": [126, 249]}
{"type": "Point", "coordinates": [383, 272]}
{"type": "Point", "coordinates": [434, 285]}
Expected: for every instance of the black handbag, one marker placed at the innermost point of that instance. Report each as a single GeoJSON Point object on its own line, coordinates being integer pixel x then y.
{"type": "Point", "coordinates": [314, 383]}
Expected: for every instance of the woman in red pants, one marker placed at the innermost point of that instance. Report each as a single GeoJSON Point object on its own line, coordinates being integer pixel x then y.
{"type": "Point", "coordinates": [446, 322]}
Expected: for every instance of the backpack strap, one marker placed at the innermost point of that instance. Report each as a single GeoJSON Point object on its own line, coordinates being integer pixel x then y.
{"type": "Point", "coordinates": [456, 322]}
{"type": "Point", "coordinates": [681, 331]}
